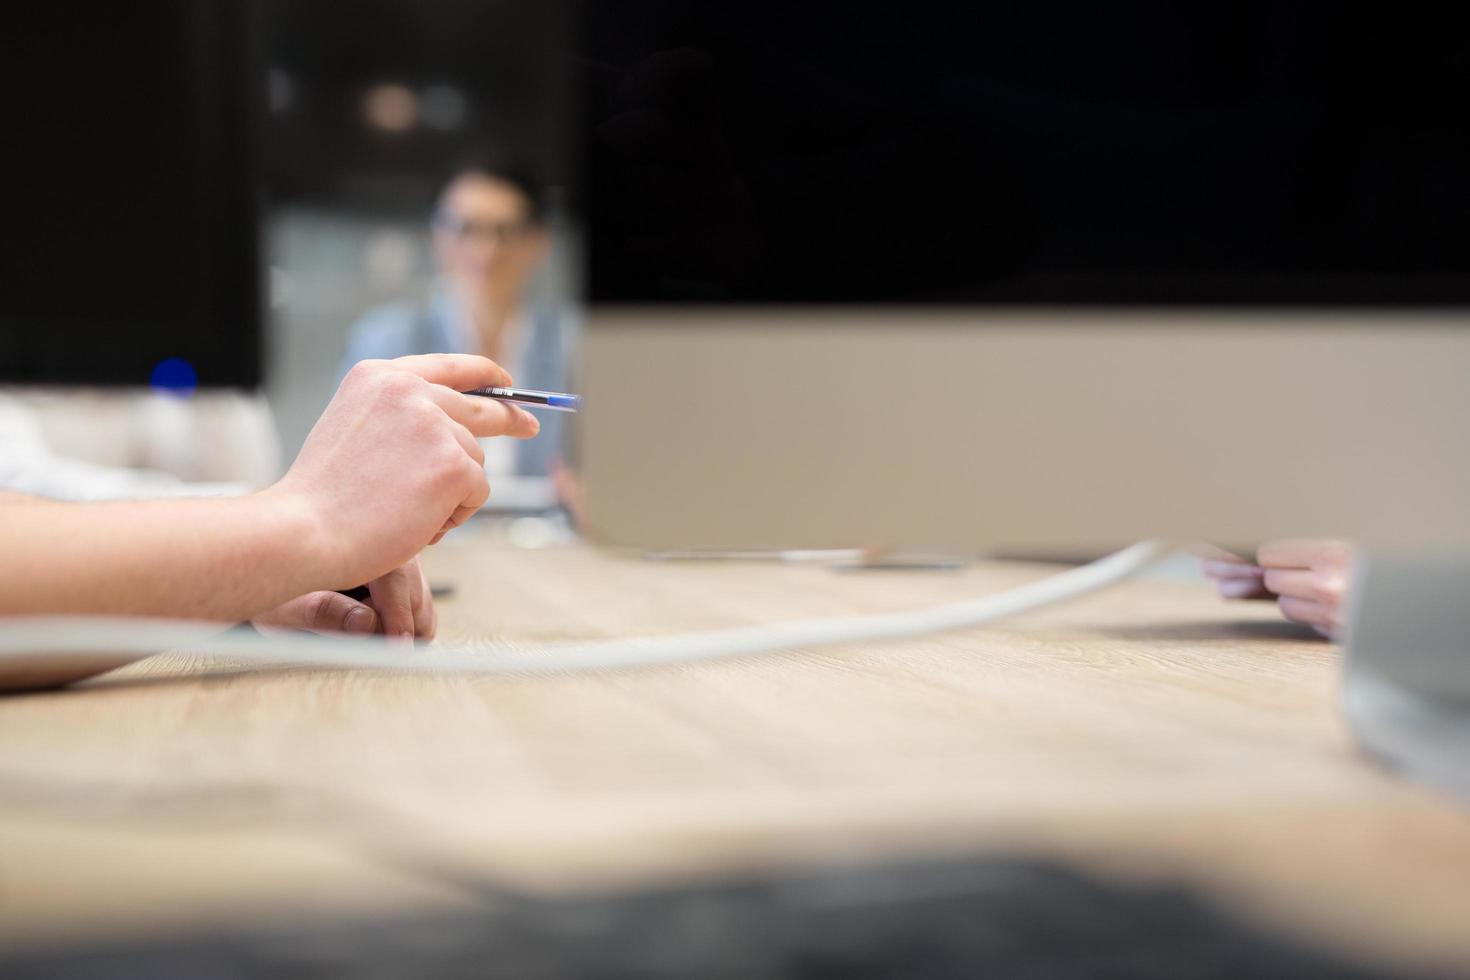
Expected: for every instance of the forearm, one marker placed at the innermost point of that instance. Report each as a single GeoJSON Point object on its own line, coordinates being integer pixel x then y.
{"type": "Point", "coordinates": [219, 559]}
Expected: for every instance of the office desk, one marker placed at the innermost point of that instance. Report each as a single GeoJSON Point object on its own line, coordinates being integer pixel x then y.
{"type": "Point", "coordinates": [1148, 732]}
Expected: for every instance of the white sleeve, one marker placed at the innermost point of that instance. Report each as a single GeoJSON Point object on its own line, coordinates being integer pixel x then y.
{"type": "Point", "coordinates": [27, 465]}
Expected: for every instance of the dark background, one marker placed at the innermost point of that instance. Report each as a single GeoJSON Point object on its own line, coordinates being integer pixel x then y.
{"type": "Point", "coordinates": [128, 191]}
{"type": "Point", "coordinates": [507, 59]}
{"type": "Point", "coordinates": [1048, 151]}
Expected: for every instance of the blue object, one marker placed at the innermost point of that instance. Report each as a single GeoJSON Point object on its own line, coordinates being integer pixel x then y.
{"type": "Point", "coordinates": [174, 376]}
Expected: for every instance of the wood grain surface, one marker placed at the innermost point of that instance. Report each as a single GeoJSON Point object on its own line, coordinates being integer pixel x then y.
{"type": "Point", "coordinates": [1148, 731]}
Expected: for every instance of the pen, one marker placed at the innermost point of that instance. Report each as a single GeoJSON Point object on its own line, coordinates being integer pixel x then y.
{"type": "Point", "coordinates": [556, 400]}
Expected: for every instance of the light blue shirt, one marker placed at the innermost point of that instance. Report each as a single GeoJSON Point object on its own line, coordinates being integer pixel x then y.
{"type": "Point", "coordinates": [432, 328]}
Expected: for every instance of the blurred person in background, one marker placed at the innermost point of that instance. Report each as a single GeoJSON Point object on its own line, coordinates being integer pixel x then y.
{"type": "Point", "coordinates": [490, 238]}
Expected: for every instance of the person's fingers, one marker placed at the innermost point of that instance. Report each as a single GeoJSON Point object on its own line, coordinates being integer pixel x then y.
{"type": "Point", "coordinates": [469, 443]}
{"type": "Point", "coordinates": [478, 491]}
{"type": "Point", "coordinates": [460, 515]}
{"type": "Point", "coordinates": [322, 612]}
{"type": "Point", "coordinates": [1220, 569]}
{"type": "Point", "coordinates": [460, 372]}
{"type": "Point", "coordinates": [1311, 613]}
{"type": "Point", "coordinates": [1313, 585]}
{"type": "Point", "coordinates": [1243, 588]}
{"type": "Point", "coordinates": [425, 617]}
{"type": "Point", "coordinates": [393, 598]}
{"type": "Point", "coordinates": [1236, 579]}
{"type": "Point", "coordinates": [486, 417]}
{"type": "Point", "coordinates": [1305, 553]}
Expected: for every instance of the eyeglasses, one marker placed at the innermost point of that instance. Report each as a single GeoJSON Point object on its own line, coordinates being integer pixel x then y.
{"type": "Point", "coordinates": [495, 232]}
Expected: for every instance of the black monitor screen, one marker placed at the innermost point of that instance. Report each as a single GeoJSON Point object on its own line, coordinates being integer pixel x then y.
{"type": "Point", "coordinates": [1055, 151]}
{"type": "Point", "coordinates": [129, 235]}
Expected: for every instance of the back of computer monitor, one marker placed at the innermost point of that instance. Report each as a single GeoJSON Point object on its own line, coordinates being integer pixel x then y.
{"type": "Point", "coordinates": [974, 428]}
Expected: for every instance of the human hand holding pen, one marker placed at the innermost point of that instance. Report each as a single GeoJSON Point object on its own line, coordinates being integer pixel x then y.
{"type": "Point", "coordinates": [393, 463]}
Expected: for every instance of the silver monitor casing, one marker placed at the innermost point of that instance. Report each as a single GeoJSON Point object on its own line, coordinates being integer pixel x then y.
{"type": "Point", "coordinates": [785, 427]}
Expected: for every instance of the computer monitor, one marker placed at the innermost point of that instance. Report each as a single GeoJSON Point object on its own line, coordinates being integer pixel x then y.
{"type": "Point", "coordinates": [1023, 275]}
{"type": "Point", "coordinates": [129, 249]}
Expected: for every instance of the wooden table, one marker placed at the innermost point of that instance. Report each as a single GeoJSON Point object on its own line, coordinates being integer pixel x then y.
{"type": "Point", "coordinates": [1150, 731]}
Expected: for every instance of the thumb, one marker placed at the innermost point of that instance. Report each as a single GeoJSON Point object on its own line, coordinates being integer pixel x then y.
{"type": "Point", "coordinates": [322, 612]}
